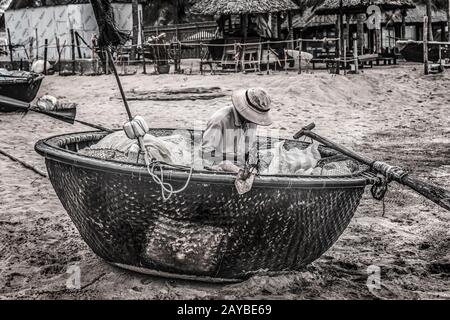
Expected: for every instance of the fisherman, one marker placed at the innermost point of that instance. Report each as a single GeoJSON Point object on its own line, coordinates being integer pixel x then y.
{"type": "Point", "coordinates": [231, 131]}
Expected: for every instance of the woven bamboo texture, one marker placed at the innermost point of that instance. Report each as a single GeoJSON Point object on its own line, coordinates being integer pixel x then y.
{"type": "Point", "coordinates": [208, 230]}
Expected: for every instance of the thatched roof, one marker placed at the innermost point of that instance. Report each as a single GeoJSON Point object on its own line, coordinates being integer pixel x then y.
{"type": "Point", "coordinates": [21, 4]}
{"type": "Point", "coordinates": [355, 6]}
{"type": "Point", "coordinates": [223, 7]}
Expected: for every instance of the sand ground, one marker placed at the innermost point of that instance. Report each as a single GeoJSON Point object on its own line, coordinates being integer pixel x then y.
{"type": "Point", "coordinates": [390, 113]}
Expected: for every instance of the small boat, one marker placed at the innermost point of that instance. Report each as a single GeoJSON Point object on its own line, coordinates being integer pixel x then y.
{"type": "Point", "coordinates": [208, 232]}
{"type": "Point", "coordinates": [20, 85]}
{"type": "Point", "coordinates": [413, 51]}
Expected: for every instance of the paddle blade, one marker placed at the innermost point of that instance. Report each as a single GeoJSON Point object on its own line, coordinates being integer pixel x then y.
{"type": "Point", "coordinates": [434, 193]}
{"type": "Point", "coordinates": [66, 115]}
{"type": "Point", "coordinates": [7, 103]}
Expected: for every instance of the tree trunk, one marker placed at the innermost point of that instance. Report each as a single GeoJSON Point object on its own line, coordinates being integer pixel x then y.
{"type": "Point", "coordinates": [430, 21]}
{"type": "Point", "coordinates": [135, 37]}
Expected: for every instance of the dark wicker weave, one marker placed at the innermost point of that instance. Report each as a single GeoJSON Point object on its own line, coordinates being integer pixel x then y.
{"type": "Point", "coordinates": [208, 230]}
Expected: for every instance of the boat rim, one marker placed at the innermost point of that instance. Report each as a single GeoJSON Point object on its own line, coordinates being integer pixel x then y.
{"type": "Point", "coordinates": [50, 148]}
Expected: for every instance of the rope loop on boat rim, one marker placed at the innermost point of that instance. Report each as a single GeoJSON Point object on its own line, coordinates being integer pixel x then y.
{"type": "Point", "coordinates": [137, 128]}
{"type": "Point", "coordinates": [167, 190]}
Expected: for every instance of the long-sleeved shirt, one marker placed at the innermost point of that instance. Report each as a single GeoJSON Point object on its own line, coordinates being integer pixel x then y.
{"type": "Point", "coordinates": [227, 137]}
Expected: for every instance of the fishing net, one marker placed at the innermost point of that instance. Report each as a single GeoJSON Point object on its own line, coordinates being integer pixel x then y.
{"type": "Point", "coordinates": [275, 157]}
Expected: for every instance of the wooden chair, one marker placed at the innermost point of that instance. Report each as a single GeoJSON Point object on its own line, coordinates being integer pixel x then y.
{"type": "Point", "coordinates": [231, 56]}
{"type": "Point", "coordinates": [251, 57]}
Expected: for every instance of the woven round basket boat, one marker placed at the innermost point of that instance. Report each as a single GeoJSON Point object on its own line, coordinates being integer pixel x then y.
{"type": "Point", "coordinates": [208, 232]}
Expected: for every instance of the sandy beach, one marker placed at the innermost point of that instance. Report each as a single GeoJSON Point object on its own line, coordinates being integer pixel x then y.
{"type": "Point", "coordinates": [391, 113]}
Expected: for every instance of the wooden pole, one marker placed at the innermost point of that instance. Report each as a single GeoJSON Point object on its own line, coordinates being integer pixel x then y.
{"type": "Point", "coordinates": [45, 56]}
{"type": "Point", "coordinates": [245, 27]}
{"type": "Point", "coordinates": [268, 57]}
{"type": "Point", "coordinates": [236, 58]}
{"type": "Point", "coordinates": [341, 27]}
{"type": "Point", "coordinates": [360, 32]}
{"type": "Point", "coordinates": [430, 20]}
{"type": "Point", "coordinates": [10, 47]}
{"type": "Point", "coordinates": [107, 63]}
{"type": "Point", "coordinates": [403, 27]}
{"type": "Point", "coordinates": [338, 45]}
{"type": "Point", "coordinates": [291, 31]}
{"type": "Point", "coordinates": [349, 36]}
{"type": "Point", "coordinates": [59, 49]}
{"type": "Point", "coordinates": [448, 20]}
{"type": "Point", "coordinates": [201, 58]}
{"type": "Point", "coordinates": [345, 57]}
{"type": "Point", "coordinates": [440, 55]}
{"type": "Point", "coordinates": [37, 44]}
{"type": "Point", "coordinates": [425, 44]}
{"type": "Point", "coordinates": [72, 40]}
{"type": "Point", "coordinates": [77, 40]}
{"type": "Point", "coordinates": [355, 55]}
{"type": "Point", "coordinates": [300, 56]}
{"type": "Point", "coordinates": [285, 61]}
{"type": "Point", "coordinates": [135, 26]}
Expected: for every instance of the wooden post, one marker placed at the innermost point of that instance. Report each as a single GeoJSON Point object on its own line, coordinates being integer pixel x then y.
{"type": "Point", "coordinates": [201, 58]}
{"type": "Point", "coordinates": [72, 40]}
{"type": "Point", "coordinates": [290, 31]}
{"type": "Point", "coordinates": [45, 56]}
{"type": "Point", "coordinates": [443, 37]}
{"type": "Point", "coordinates": [349, 37]}
{"type": "Point", "coordinates": [403, 28]}
{"type": "Point", "coordinates": [285, 61]}
{"type": "Point", "coordinates": [355, 55]}
{"type": "Point", "coordinates": [268, 57]}
{"type": "Point", "coordinates": [448, 19]}
{"type": "Point", "coordinates": [338, 45]}
{"type": "Point", "coordinates": [77, 39]}
{"type": "Point", "coordinates": [245, 27]}
{"type": "Point", "coordinates": [360, 32]}
{"type": "Point", "coordinates": [59, 50]}
{"type": "Point", "coordinates": [107, 64]}
{"type": "Point", "coordinates": [430, 20]}
{"type": "Point", "coordinates": [10, 47]}
{"type": "Point", "coordinates": [341, 27]}
{"type": "Point", "coordinates": [278, 25]}
{"type": "Point", "coordinates": [37, 44]}
{"type": "Point", "coordinates": [144, 64]}
{"type": "Point", "coordinates": [425, 44]}
{"type": "Point", "coordinates": [300, 57]}
{"type": "Point", "coordinates": [345, 57]}
{"type": "Point", "coordinates": [135, 28]}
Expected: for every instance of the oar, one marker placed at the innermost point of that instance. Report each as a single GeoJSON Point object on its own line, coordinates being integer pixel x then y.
{"type": "Point", "coordinates": [436, 194]}
{"type": "Point", "coordinates": [66, 115]}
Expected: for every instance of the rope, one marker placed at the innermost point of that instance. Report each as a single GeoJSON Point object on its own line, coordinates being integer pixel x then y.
{"type": "Point", "coordinates": [167, 190]}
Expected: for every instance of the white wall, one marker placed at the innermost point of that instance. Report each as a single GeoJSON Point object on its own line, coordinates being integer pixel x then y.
{"type": "Point", "coordinates": [56, 21]}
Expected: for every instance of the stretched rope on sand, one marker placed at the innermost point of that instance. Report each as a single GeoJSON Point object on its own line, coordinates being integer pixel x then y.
{"type": "Point", "coordinates": [24, 164]}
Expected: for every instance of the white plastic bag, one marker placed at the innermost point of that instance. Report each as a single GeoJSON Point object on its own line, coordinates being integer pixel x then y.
{"type": "Point", "coordinates": [293, 161]}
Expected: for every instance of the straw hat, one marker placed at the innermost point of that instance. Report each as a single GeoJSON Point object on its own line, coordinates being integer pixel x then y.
{"type": "Point", "coordinates": [253, 104]}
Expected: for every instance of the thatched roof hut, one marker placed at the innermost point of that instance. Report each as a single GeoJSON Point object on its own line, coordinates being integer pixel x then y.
{"type": "Point", "coordinates": [360, 6]}
{"type": "Point", "coordinates": [224, 7]}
